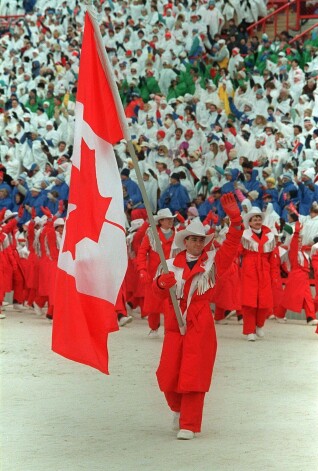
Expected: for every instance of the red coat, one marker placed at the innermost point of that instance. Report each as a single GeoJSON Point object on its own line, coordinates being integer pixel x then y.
{"type": "Point", "coordinates": [44, 265]}
{"type": "Point", "coordinates": [134, 288]}
{"type": "Point", "coordinates": [228, 288]}
{"type": "Point", "coordinates": [186, 362]}
{"type": "Point", "coordinates": [297, 287]}
{"type": "Point", "coordinates": [32, 267]}
{"type": "Point", "coordinates": [277, 286]}
{"type": "Point", "coordinates": [257, 269]}
{"type": "Point", "coordinates": [149, 260]}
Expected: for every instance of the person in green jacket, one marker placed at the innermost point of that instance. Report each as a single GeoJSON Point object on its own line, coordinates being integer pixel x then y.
{"type": "Point", "coordinates": [148, 85]}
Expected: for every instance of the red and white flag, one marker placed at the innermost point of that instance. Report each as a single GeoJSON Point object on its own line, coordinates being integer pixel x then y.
{"type": "Point", "coordinates": [93, 257]}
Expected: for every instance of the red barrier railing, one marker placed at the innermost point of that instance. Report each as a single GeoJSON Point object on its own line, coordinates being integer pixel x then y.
{"type": "Point", "coordinates": [274, 16]}
{"type": "Point", "coordinates": [304, 33]}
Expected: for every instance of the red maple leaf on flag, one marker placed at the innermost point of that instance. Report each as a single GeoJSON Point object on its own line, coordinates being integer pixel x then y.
{"type": "Point", "coordinates": [90, 206]}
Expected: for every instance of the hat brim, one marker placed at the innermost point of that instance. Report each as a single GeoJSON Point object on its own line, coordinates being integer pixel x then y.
{"type": "Point", "coordinates": [181, 235]}
{"type": "Point", "coordinates": [10, 216]}
{"type": "Point", "coordinates": [248, 216]}
{"type": "Point", "coordinates": [157, 218]}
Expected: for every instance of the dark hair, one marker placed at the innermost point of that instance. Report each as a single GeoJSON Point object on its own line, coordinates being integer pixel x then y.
{"type": "Point", "coordinates": [293, 216]}
{"type": "Point", "coordinates": [300, 129]}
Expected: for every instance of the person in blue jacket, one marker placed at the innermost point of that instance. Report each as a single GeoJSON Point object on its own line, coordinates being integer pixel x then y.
{"type": "Point", "coordinates": [307, 191]}
{"type": "Point", "coordinates": [35, 198]}
{"type": "Point", "coordinates": [175, 197]}
{"type": "Point", "coordinates": [288, 194]}
{"type": "Point", "coordinates": [268, 198]}
{"type": "Point", "coordinates": [3, 184]}
{"type": "Point", "coordinates": [60, 187]}
{"type": "Point", "coordinates": [5, 199]}
{"type": "Point", "coordinates": [231, 176]}
{"type": "Point", "coordinates": [246, 116]}
{"type": "Point", "coordinates": [134, 196]}
{"type": "Point", "coordinates": [217, 205]}
{"type": "Point", "coordinates": [203, 205]}
{"type": "Point", "coordinates": [19, 186]}
{"type": "Point", "coordinates": [252, 183]}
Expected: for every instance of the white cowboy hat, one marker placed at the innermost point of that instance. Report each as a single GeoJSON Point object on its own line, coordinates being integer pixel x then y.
{"type": "Point", "coordinates": [163, 214]}
{"type": "Point", "coordinates": [8, 215]}
{"type": "Point", "coordinates": [59, 222]}
{"type": "Point", "coordinates": [135, 224]}
{"type": "Point", "coordinates": [255, 211]}
{"type": "Point", "coordinates": [195, 228]}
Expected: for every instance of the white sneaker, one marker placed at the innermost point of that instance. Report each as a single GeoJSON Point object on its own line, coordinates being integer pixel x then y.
{"type": "Point", "coordinates": [2, 316]}
{"type": "Point", "coordinates": [260, 332]}
{"type": "Point", "coordinates": [230, 314]}
{"type": "Point", "coordinates": [18, 307]}
{"type": "Point", "coordinates": [251, 337]}
{"type": "Point", "coordinates": [38, 311]}
{"type": "Point", "coordinates": [281, 320]}
{"type": "Point", "coordinates": [153, 334]}
{"type": "Point", "coordinates": [271, 317]}
{"type": "Point", "coordinates": [313, 322]}
{"type": "Point", "coordinates": [5, 303]}
{"type": "Point", "coordinates": [176, 421]}
{"type": "Point", "coordinates": [125, 320]}
{"type": "Point", "coordinates": [184, 434]}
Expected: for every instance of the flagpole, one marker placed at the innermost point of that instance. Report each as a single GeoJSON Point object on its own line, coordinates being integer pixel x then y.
{"type": "Point", "coordinates": [122, 118]}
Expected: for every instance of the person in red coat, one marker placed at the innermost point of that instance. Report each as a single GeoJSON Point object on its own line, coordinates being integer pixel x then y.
{"type": "Point", "coordinates": [257, 273]}
{"type": "Point", "coordinates": [15, 270]}
{"type": "Point", "coordinates": [53, 242]}
{"type": "Point", "coordinates": [148, 261]}
{"type": "Point", "coordinates": [186, 364]}
{"type": "Point", "coordinates": [314, 264]}
{"type": "Point", "coordinates": [297, 294]}
{"type": "Point", "coordinates": [134, 289]}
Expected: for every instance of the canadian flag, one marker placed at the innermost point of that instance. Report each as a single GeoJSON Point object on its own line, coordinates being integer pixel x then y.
{"type": "Point", "coordinates": [93, 255]}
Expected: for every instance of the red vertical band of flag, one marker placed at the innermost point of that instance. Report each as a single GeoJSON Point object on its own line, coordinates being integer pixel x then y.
{"type": "Point", "coordinates": [93, 258]}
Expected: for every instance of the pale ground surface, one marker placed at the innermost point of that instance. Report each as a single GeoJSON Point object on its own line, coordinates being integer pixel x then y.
{"type": "Point", "coordinates": [56, 415]}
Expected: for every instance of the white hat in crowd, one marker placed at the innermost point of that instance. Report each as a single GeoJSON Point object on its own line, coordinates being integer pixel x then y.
{"type": "Point", "coordinates": [163, 214]}
{"type": "Point", "coordinates": [136, 224]}
{"type": "Point", "coordinates": [8, 215]}
{"type": "Point", "coordinates": [59, 222]}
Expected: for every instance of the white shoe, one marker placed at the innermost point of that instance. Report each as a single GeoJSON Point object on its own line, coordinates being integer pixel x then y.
{"type": "Point", "coordinates": [230, 314]}
{"type": "Point", "coordinates": [313, 322]}
{"type": "Point", "coordinates": [222, 321]}
{"type": "Point", "coordinates": [38, 311]}
{"type": "Point", "coordinates": [184, 434]}
{"type": "Point", "coordinates": [125, 320]}
{"type": "Point", "coordinates": [281, 320]}
{"type": "Point", "coordinates": [18, 307]}
{"type": "Point", "coordinates": [251, 337]}
{"type": "Point", "coordinates": [5, 303]}
{"type": "Point", "coordinates": [153, 334]}
{"type": "Point", "coordinates": [2, 316]}
{"type": "Point", "coordinates": [260, 332]}
{"type": "Point", "coordinates": [271, 317]}
{"type": "Point", "coordinates": [176, 421]}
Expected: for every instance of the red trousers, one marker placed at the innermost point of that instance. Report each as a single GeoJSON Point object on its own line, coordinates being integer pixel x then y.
{"type": "Point", "coordinates": [190, 406]}
{"type": "Point", "coordinates": [253, 317]}
{"type": "Point", "coordinates": [154, 321]}
{"type": "Point", "coordinates": [18, 286]}
{"type": "Point", "coordinates": [308, 306]}
{"type": "Point", "coordinates": [219, 313]}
